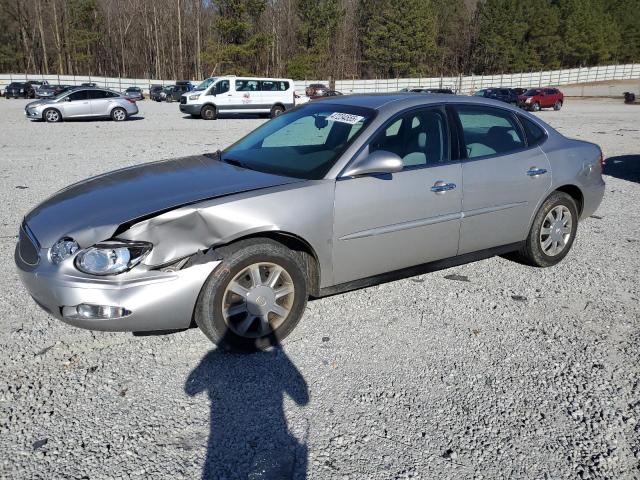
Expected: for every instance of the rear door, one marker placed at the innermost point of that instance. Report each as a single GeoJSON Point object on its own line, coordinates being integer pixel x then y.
{"type": "Point", "coordinates": [504, 178]}
{"type": "Point", "coordinates": [76, 104]}
{"type": "Point", "coordinates": [384, 223]}
{"type": "Point", "coordinates": [100, 101]}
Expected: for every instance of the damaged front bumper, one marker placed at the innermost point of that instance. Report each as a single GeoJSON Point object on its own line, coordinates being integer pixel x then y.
{"type": "Point", "coordinates": [138, 301]}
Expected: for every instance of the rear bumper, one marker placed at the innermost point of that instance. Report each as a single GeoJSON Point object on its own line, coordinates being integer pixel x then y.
{"type": "Point", "coordinates": [593, 195]}
{"type": "Point", "coordinates": [156, 300]}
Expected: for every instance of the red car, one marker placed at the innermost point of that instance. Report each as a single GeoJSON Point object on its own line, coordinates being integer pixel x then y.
{"type": "Point", "coordinates": [537, 98]}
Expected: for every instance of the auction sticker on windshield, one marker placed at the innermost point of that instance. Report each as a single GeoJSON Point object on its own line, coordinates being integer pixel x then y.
{"type": "Point", "coordinates": [345, 118]}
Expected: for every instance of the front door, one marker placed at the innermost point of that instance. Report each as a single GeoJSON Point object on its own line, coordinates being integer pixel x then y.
{"type": "Point", "coordinates": [503, 178]}
{"type": "Point", "coordinates": [76, 104]}
{"type": "Point", "coordinates": [384, 223]}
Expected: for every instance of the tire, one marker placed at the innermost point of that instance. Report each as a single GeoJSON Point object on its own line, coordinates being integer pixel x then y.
{"type": "Point", "coordinates": [52, 115]}
{"type": "Point", "coordinates": [119, 114]}
{"type": "Point", "coordinates": [533, 251]}
{"type": "Point", "coordinates": [209, 112]}
{"type": "Point", "coordinates": [169, 99]}
{"type": "Point", "coordinates": [557, 106]}
{"type": "Point", "coordinates": [276, 111]}
{"type": "Point", "coordinates": [535, 107]}
{"type": "Point", "coordinates": [239, 260]}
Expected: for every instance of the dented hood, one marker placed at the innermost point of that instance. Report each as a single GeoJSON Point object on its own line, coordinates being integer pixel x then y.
{"type": "Point", "coordinates": [91, 210]}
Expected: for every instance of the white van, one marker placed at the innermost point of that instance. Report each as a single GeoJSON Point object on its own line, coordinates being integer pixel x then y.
{"type": "Point", "coordinates": [231, 94]}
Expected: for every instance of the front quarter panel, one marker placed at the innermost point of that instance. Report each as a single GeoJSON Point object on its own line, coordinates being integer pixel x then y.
{"type": "Point", "coordinates": [303, 209]}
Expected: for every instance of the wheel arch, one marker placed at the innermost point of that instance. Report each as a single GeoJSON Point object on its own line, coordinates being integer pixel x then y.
{"type": "Point", "coordinates": [278, 104]}
{"type": "Point", "coordinates": [306, 253]}
{"type": "Point", "coordinates": [574, 192]}
{"type": "Point", "coordinates": [52, 108]}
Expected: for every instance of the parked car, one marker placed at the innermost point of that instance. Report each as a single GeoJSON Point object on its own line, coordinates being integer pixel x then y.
{"type": "Point", "coordinates": [177, 90]}
{"type": "Point", "coordinates": [507, 95]}
{"type": "Point", "coordinates": [537, 98]}
{"type": "Point", "coordinates": [230, 94]}
{"type": "Point", "coordinates": [315, 89]}
{"type": "Point", "coordinates": [429, 90]}
{"type": "Point", "coordinates": [325, 94]}
{"type": "Point", "coordinates": [154, 92]}
{"type": "Point", "coordinates": [629, 97]}
{"type": "Point", "coordinates": [519, 91]}
{"type": "Point", "coordinates": [329, 197]}
{"type": "Point", "coordinates": [89, 84]}
{"type": "Point", "coordinates": [19, 90]}
{"type": "Point", "coordinates": [135, 93]}
{"type": "Point", "coordinates": [83, 102]}
{"type": "Point", "coordinates": [48, 91]}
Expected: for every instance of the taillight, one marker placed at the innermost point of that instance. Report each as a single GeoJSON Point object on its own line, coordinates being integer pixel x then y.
{"type": "Point", "coordinates": [130, 100]}
{"type": "Point", "coordinates": [602, 160]}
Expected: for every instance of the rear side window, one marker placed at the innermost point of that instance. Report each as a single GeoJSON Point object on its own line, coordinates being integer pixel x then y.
{"type": "Point", "coordinates": [534, 133]}
{"type": "Point", "coordinates": [97, 94]}
{"type": "Point", "coordinates": [489, 131]}
{"type": "Point", "coordinates": [246, 85]}
{"type": "Point", "coordinates": [273, 86]}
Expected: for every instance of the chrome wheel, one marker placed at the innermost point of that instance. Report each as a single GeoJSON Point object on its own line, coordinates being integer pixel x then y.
{"type": "Point", "coordinates": [258, 299]}
{"type": "Point", "coordinates": [119, 115]}
{"type": "Point", "coordinates": [556, 230]}
{"type": "Point", "coordinates": [52, 116]}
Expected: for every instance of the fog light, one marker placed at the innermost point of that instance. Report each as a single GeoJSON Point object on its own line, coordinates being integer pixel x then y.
{"type": "Point", "coordinates": [95, 312]}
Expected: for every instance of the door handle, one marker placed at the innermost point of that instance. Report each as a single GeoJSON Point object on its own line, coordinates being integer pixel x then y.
{"type": "Point", "coordinates": [534, 172]}
{"type": "Point", "coordinates": [442, 187]}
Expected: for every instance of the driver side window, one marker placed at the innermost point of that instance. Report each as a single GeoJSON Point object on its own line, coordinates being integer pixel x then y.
{"type": "Point", "coordinates": [81, 95]}
{"type": "Point", "coordinates": [222, 87]}
{"type": "Point", "coordinates": [420, 138]}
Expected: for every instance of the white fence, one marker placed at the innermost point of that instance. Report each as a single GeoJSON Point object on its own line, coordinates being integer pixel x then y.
{"type": "Point", "coordinates": [460, 84]}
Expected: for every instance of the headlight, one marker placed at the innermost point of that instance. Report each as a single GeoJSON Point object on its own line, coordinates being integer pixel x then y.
{"type": "Point", "coordinates": [194, 97]}
{"type": "Point", "coordinates": [22, 90]}
{"type": "Point", "coordinates": [63, 248]}
{"type": "Point", "coordinates": [112, 257]}
{"type": "Point", "coordinates": [528, 100]}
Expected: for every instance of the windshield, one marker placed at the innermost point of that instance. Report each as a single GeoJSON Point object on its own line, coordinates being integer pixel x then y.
{"type": "Point", "coordinates": [204, 85]}
{"type": "Point", "coordinates": [479, 93]}
{"type": "Point", "coordinates": [531, 93]}
{"type": "Point", "coordinates": [304, 143]}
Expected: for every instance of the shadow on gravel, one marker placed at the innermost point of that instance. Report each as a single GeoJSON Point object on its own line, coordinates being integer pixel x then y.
{"type": "Point", "coordinates": [626, 167]}
{"type": "Point", "coordinates": [249, 437]}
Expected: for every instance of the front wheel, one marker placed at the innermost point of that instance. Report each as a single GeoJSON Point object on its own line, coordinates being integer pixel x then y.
{"type": "Point", "coordinates": [118, 114]}
{"type": "Point", "coordinates": [254, 298]}
{"type": "Point", "coordinates": [209, 112]}
{"type": "Point", "coordinates": [52, 115]}
{"type": "Point", "coordinates": [552, 232]}
{"type": "Point", "coordinates": [535, 107]}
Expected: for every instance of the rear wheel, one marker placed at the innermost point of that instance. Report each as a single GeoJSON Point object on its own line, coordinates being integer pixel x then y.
{"type": "Point", "coordinates": [254, 298]}
{"type": "Point", "coordinates": [552, 232]}
{"type": "Point", "coordinates": [276, 111]}
{"type": "Point", "coordinates": [209, 112]}
{"type": "Point", "coordinates": [52, 115]}
{"type": "Point", "coordinates": [118, 114]}
{"type": "Point", "coordinates": [557, 106]}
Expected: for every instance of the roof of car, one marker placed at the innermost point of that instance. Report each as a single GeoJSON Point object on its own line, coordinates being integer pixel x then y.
{"type": "Point", "coordinates": [378, 101]}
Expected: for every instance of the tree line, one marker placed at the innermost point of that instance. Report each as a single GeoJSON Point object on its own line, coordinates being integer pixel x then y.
{"type": "Point", "coordinates": [313, 39]}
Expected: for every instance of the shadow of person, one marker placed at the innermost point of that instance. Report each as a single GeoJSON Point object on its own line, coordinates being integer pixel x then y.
{"type": "Point", "coordinates": [626, 167]}
{"type": "Point", "coordinates": [249, 437]}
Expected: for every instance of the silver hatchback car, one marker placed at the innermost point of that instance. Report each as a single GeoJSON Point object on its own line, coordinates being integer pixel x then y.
{"type": "Point", "coordinates": [331, 196]}
{"type": "Point", "coordinates": [83, 102]}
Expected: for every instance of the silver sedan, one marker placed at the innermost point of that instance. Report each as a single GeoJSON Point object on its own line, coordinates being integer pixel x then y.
{"type": "Point", "coordinates": [334, 195]}
{"type": "Point", "coordinates": [83, 102]}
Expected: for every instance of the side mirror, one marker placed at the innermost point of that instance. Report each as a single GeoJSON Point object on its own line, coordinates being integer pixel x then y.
{"type": "Point", "coordinates": [67, 99]}
{"type": "Point", "coordinates": [379, 161]}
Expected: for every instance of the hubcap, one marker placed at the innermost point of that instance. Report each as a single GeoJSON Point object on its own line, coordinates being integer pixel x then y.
{"type": "Point", "coordinates": [119, 115]}
{"type": "Point", "coordinates": [52, 116]}
{"type": "Point", "coordinates": [556, 230]}
{"type": "Point", "coordinates": [258, 300]}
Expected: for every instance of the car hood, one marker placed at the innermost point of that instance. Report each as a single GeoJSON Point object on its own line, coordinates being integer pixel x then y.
{"type": "Point", "coordinates": [43, 101]}
{"type": "Point", "coordinates": [90, 211]}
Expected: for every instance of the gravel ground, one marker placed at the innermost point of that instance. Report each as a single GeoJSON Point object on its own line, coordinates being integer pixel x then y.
{"type": "Point", "coordinates": [491, 370]}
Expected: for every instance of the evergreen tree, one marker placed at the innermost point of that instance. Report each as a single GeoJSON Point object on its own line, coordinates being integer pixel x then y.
{"type": "Point", "coordinates": [398, 38]}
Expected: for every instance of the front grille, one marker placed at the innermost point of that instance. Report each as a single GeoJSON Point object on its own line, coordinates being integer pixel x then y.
{"type": "Point", "coordinates": [183, 100]}
{"type": "Point", "coordinates": [28, 247]}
